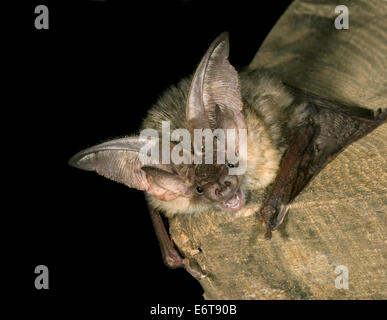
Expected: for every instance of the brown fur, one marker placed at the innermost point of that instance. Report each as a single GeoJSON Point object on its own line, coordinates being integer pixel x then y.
{"type": "Point", "coordinates": [266, 107]}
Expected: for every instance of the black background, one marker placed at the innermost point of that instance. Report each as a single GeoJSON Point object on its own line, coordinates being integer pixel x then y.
{"type": "Point", "coordinates": [91, 77]}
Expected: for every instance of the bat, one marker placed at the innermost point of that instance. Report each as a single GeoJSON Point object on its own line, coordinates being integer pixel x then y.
{"type": "Point", "coordinates": [290, 136]}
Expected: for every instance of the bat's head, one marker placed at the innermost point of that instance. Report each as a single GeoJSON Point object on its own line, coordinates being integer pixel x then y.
{"type": "Point", "coordinates": [203, 168]}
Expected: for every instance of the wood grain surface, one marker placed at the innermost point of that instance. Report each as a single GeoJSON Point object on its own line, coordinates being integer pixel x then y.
{"type": "Point", "coordinates": [340, 218]}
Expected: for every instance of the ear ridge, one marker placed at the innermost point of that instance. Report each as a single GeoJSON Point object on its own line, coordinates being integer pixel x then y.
{"type": "Point", "coordinates": [215, 83]}
{"type": "Point", "coordinates": [195, 110]}
{"type": "Point", "coordinates": [119, 161]}
{"type": "Point", "coordinates": [116, 160]}
{"type": "Point", "coordinates": [221, 84]}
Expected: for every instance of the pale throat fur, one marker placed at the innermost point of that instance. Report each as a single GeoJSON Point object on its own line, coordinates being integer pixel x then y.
{"type": "Point", "coordinates": [266, 105]}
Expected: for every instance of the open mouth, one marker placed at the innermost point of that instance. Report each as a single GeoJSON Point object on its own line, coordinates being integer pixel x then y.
{"type": "Point", "coordinates": [234, 203]}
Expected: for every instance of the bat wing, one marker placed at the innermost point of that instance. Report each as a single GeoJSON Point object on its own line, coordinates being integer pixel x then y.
{"type": "Point", "coordinates": [327, 130]}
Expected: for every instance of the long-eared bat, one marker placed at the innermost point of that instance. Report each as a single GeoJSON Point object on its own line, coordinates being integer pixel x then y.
{"type": "Point", "coordinates": [291, 135]}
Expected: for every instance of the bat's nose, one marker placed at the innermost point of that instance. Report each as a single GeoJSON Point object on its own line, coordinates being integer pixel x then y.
{"type": "Point", "coordinates": [226, 187]}
{"type": "Point", "coordinates": [228, 181]}
{"type": "Point", "coordinates": [222, 188]}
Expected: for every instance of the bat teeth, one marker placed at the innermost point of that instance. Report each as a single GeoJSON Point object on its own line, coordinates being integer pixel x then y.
{"type": "Point", "coordinates": [233, 201]}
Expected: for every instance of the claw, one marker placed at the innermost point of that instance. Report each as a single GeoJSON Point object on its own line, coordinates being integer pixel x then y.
{"type": "Point", "coordinates": [266, 226]}
{"type": "Point", "coordinates": [268, 234]}
{"type": "Point", "coordinates": [196, 274]}
{"type": "Point", "coordinates": [280, 217]}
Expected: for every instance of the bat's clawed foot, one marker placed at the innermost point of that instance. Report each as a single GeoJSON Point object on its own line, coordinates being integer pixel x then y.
{"type": "Point", "coordinates": [196, 274]}
{"type": "Point", "coordinates": [268, 233]}
{"type": "Point", "coordinates": [173, 260]}
{"type": "Point", "coordinates": [266, 225]}
{"type": "Point", "coordinates": [271, 218]}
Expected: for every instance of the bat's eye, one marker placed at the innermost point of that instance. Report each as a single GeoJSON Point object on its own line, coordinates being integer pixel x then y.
{"type": "Point", "coordinates": [199, 189]}
{"type": "Point", "coordinates": [230, 165]}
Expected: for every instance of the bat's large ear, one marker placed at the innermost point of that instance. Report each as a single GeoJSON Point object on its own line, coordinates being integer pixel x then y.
{"type": "Point", "coordinates": [119, 160]}
{"type": "Point", "coordinates": [215, 87]}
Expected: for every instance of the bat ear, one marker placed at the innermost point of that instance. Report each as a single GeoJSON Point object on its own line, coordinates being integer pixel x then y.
{"type": "Point", "coordinates": [119, 160]}
{"type": "Point", "coordinates": [215, 85]}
